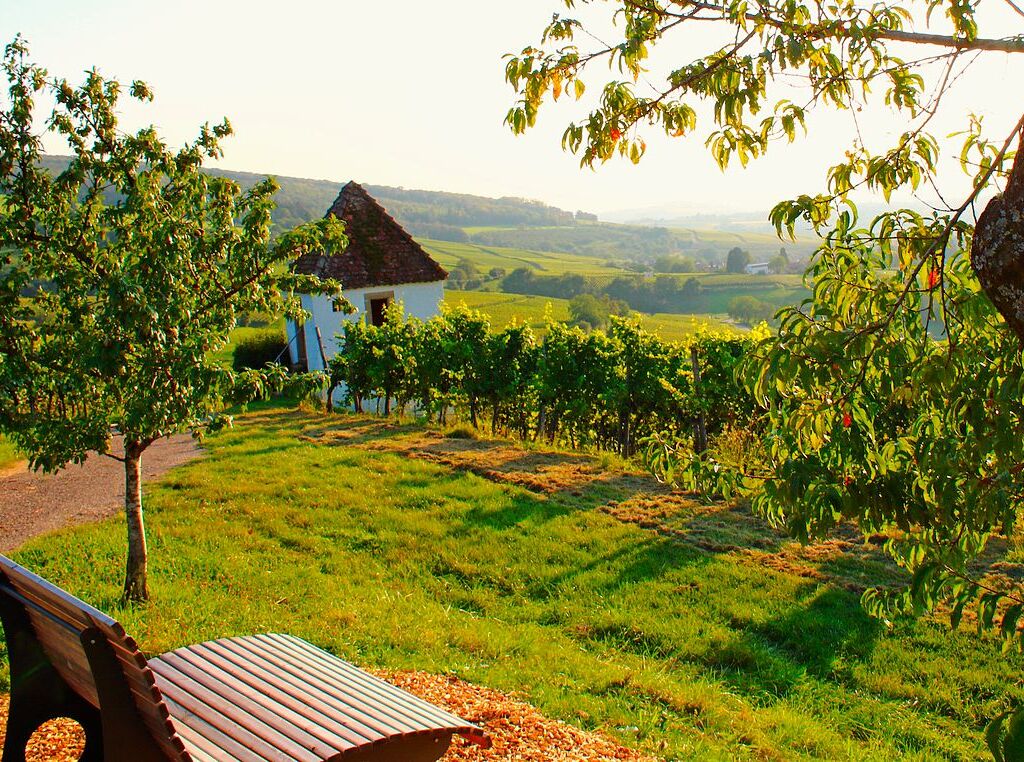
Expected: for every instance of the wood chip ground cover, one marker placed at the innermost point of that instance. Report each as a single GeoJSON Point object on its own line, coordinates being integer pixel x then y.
{"type": "Point", "coordinates": [519, 732]}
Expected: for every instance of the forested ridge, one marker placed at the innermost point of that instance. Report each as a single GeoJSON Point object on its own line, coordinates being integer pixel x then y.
{"type": "Point", "coordinates": [508, 221]}
{"type": "Point", "coordinates": [303, 199]}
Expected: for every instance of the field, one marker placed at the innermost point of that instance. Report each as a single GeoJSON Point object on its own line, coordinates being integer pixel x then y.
{"type": "Point", "coordinates": [502, 309]}
{"type": "Point", "coordinates": [721, 288]}
{"type": "Point", "coordinates": [776, 290]}
{"type": "Point", "coordinates": [542, 263]}
{"type": "Point", "coordinates": [644, 242]}
{"type": "Point", "coordinates": [684, 629]}
{"type": "Point", "coordinates": [761, 245]}
{"type": "Point", "coordinates": [718, 288]}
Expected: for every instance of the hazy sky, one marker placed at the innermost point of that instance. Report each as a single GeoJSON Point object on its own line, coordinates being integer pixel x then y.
{"type": "Point", "coordinates": [412, 93]}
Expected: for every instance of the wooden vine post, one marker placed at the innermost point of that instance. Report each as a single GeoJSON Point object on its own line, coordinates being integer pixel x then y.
{"type": "Point", "coordinates": [327, 369]}
{"type": "Point", "coordinates": [700, 431]}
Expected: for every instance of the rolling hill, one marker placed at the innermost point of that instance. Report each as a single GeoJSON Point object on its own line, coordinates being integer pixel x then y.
{"type": "Point", "coordinates": [508, 222]}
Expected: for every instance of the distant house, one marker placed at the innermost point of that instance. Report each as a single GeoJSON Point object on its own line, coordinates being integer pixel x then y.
{"type": "Point", "coordinates": [381, 265]}
{"type": "Point", "coordinates": [757, 268]}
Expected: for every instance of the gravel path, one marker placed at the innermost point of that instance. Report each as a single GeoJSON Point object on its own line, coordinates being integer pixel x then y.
{"type": "Point", "coordinates": [33, 503]}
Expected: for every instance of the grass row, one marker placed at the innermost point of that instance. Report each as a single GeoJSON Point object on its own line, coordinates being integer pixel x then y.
{"type": "Point", "coordinates": [449, 255]}
{"type": "Point", "coordinates": [325, 528]}
{"type": "Point", "coordinates": [503, 309]}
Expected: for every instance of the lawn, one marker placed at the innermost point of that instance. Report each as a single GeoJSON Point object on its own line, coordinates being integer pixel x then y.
{"type": "Point", "coordinates": [8, 454]}
{"type": "Point", "coordinates": [226, 355]}
{"type": "Point", "coordinates": [688, 630]}
{"type": "Point", "coordinates": [502, 309]}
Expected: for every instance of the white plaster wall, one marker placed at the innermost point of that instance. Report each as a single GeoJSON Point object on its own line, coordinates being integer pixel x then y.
{"type": "Point", "coordinates": [421, 300]}
{"type": "Point", "coordinates": [289, 333]}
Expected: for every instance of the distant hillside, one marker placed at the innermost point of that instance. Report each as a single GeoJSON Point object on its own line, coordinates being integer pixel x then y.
{"type": "Point", "coordinates": [508, 222]}
{"type": "Point", "coordinates": [430, 214]}
{"type": "Point", "coordinates": [302, 199]}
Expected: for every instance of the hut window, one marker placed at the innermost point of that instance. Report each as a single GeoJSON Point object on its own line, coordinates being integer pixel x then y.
{"type": "Point", "coordinates": [377, 305]}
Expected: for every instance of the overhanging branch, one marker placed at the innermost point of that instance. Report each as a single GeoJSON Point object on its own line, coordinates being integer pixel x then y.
{"type": "Point", "coordinates": [1004, 45]}
{"type": "Point", "coordinates": [1007, 45]}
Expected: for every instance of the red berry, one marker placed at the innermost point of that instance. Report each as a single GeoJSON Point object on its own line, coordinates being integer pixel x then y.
{"type": "Point", "coordinates": [615, 134]}
{"type": "Point", "coordinates": [933, 278]}
{"type": "Point", "coordinates": [848, 481]}
{"type": "Point", "coordinates": [847, 420]}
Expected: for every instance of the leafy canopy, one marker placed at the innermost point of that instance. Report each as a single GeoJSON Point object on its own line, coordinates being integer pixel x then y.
{"type": "Point", "coordinates": [122, 275]}
{"type": "Point", "coordinates": [892, 397]}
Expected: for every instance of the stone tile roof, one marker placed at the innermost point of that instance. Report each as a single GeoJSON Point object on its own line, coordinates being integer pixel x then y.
{"type": "Point", "coordinates": [379, 252]}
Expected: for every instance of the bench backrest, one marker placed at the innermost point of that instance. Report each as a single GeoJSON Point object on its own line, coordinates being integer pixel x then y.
{"type": "Point", "coordinates": [60, 621]}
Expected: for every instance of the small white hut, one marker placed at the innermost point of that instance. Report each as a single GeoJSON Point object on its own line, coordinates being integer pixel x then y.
{"type": "Point", "coordinates": [381, 265]}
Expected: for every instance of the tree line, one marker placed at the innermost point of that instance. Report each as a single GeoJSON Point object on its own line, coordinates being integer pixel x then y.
{"type": "Point", "coordinates": [663, 293]}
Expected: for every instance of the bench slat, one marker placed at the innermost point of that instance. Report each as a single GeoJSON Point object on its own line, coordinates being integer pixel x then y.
{"type": "Point", "coordinates": [291, 705]}
{"type": "Point", "coordinates": [200, 749]}
{"type": "Point", "coordinates": [64, 649]}
{"type": "Point", "coordinates": [198, 733]}
{"type": "Point", "coordinates": [344, 703]}
{"type": "Point", "coordinates": [259, 705]}
{"type": "Point", "coordinates": [230, 718]}
{"type": "Point", "coordinates": [362, 690]}
{"type": "Point", "coordinates": [298, 682]}
{"type": "Point", "coordinates": [304, 697]}
{"type": "Point", "coordinates": [55, 600]}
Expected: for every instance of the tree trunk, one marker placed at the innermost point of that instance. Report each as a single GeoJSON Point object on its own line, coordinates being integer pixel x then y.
{"type": "Point", "coordinates": [997, 250]}
{"type": "Point", "coordinates": [136, 588]}
{"type": "Point", "coordinates": [329, 406]}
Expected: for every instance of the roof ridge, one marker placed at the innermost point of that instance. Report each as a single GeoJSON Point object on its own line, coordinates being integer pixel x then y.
{"type": "Point", "coordinates": [380, 251]}
{"type": "Point", "coordinates": [376, 203]}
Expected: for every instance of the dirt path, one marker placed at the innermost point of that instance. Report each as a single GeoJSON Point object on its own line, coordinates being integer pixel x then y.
{"type": "Point", "coordinates": [34, 503]}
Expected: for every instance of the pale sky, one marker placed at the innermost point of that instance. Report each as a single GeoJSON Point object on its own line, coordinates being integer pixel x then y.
{"type": "Point", "coordinates": [412, 93]}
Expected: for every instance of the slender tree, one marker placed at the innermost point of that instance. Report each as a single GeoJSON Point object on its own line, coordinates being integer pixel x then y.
{"type": "Point", "coordinates": [119, 279]}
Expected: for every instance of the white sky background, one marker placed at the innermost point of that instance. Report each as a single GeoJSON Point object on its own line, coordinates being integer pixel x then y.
{"type": "Point", "coordinates": [412, 93]}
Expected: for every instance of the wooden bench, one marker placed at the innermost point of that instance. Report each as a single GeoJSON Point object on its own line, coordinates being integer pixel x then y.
{"type": "Point", "coordinates": [256, 698]}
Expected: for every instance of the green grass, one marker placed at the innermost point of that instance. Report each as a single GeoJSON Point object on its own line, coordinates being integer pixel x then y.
{"type": "Point", "coordinates": [9, 456]}
{"type": "Point", "coordinates": [226, 355]}
{"type": "Point", "coordinates": [327, 529]}
{"type": "Point", "coordinates": [758, 240]}
{"type": "Point", "coordinates": [719, 288]}
{"type": "Point", "coordinates": [541, 262]}
{"type": "Point", "coordinates": [503, 309]}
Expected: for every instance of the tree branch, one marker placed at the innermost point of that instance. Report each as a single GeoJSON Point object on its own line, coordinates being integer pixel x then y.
{"type": "Point", "coordinates": [1004, 45]}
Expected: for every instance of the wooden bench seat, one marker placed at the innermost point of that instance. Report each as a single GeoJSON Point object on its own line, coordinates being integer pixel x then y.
{"type": "Point", "coordinates": [258, 698]}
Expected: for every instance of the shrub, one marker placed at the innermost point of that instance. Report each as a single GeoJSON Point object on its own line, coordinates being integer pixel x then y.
{"type": "Point", "coordinates": [749, 309]}
{"type": "Point", "coordinates": [259, 348]}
